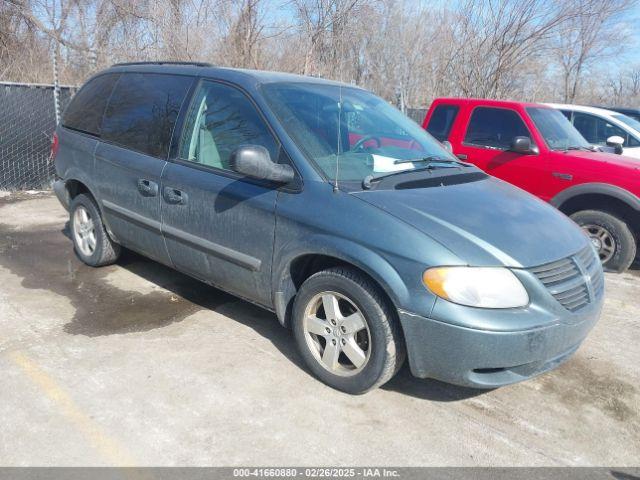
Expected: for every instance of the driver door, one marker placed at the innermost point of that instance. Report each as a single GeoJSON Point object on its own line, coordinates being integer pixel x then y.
{"type": "Point", "coordinates": [218, 225]}
{"type": "Point", "coordinates": [486, 144]}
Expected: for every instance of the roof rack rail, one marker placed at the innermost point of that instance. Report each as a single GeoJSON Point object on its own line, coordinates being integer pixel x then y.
{"type": "Point", "coordinates": [162, 62]}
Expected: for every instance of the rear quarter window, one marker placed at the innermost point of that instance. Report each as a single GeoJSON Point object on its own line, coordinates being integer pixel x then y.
{"type": "Point", "coordinates": [85, 111]}
{"type": "Point", "coordinates": [441, 121]}
{"type": "Point", "coordinates": [143, 110]}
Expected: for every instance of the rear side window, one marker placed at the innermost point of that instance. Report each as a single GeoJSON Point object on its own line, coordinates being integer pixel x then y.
{"type": "Point", "coordinates": [441, 121]}
{"type": "Point", "coordinates": [85, 111]}
{"type": "Point", "coordinates": [494, 128]}
{"type": "Point", "coordinates": [143, 110]}
{"type": "Point", "coordinates": [595, 129]}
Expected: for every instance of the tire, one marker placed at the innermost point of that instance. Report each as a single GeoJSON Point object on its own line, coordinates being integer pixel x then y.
{"type": "Point", "coordinates": [358, 299]}
{"type": "Point", "coordinates": [92, 245]}
{"type": "Point", "coordinates": [622, 244]}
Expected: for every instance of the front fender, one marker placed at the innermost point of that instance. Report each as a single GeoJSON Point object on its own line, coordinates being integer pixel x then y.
{"type": "Point", "coordinates": [372, 263]}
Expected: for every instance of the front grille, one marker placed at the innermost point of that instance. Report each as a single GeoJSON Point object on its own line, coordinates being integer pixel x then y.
{"type": "Point", "coordinates": [573, 281]}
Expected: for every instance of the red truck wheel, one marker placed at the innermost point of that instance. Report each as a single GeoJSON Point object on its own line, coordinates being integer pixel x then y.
{"type": "Point", "coordinates": [611, 236]}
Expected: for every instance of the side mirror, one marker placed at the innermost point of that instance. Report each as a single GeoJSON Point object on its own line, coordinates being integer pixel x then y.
{"type": "Point", "coordinates": [254, 161]}
{"type": "Point", "coordinates": [521, 145]}
{"type": "Point", "coordinates": [616, 142]}
{"type": "Point", "coordinates": [447, 146]}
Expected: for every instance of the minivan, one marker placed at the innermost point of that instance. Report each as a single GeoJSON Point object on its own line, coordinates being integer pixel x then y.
{"type": "Point", "coordinates": [324, 204]}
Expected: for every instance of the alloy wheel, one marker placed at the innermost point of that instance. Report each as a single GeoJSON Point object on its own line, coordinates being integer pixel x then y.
{"type": "Point", "coordinates": [602, 240]}
{"type": "Point", "coordinates": [84, 231]}
{"type": "Point", "coordinates": [337, 333]}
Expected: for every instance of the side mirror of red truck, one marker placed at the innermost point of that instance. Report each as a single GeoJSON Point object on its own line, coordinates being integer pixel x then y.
{"type": "Point", "coordinates": [521, 145]}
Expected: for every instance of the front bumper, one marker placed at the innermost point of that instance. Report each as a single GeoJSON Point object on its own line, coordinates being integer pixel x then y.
{"type": "Point", "coordinates": [489, 359]}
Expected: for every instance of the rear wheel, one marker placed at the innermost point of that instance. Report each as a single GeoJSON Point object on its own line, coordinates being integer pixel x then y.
{"type": "Point", "coordinates": [346, 332]}
{"type": "Point", "coordinates": [611, 237]}
{"type": "Point", "coordinates": [90, 239]}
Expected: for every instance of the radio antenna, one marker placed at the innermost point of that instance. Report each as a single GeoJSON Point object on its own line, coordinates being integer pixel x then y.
{"type": "Point", "coordinates": [340, 65]}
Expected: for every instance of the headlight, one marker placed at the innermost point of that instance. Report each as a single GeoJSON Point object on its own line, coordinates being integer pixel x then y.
{"type": "Point", "coordinates": [477, 286]}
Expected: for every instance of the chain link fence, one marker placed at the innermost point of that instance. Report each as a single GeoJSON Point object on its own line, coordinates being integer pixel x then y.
{"type": "Point", "coordinates": [27, 122]}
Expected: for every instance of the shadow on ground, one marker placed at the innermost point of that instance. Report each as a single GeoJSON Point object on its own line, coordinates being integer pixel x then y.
{"type": "Point", "coordinates": [44, 259]}
{"type": "Point", "coordinates": [427, 389]}
{"type": "Point", "coordinates": [635, 267]}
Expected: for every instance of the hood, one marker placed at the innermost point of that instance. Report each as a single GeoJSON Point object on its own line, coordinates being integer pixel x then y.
{"type": "Point", "coordinates": [604, 157]}
{"type": "Point", "coordinates": [484, 223]}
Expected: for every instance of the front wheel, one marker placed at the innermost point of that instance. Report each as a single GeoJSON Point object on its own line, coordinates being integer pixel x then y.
{"type": "Point", "coordinates": [346, 331]}
{"type": "Point", "coordinates": [611, 236]}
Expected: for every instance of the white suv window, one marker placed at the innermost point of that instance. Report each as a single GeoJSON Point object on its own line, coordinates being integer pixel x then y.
{"type": "Point", "coordinates": [596, 129]}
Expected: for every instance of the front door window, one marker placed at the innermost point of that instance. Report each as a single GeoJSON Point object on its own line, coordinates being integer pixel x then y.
{"type": "Point", "coordinates": [222, 119]}
{"type": "Point", "coordinates": [494, 128]}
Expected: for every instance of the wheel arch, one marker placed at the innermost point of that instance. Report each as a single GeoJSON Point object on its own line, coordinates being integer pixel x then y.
{"type": "Point", "coordinates": [75, 183]}
{"type": "Point", "coordinates": [601, 189]}
{"type": "Point", "coordinates": [75, 187]}
{"type": "Point", "coordinates": [600, 196]}
{"type": "Point", "coordinates": [299, 265]}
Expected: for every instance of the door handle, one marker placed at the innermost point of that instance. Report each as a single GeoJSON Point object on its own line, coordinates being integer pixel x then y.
{"type": "Point", "coordinates": [174, 196]}
{"type": "Point", "coordinates": [147, 187]}
{"type": "Point", "coordinates": [462, 156]}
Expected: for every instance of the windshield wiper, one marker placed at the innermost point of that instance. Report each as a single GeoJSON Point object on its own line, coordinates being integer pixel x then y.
{"type": "Point", "coordinates": [369, 179]}
{"type": "Point", "coordinates": [430, 160]}
{"type": "Point", "coordinates": [576, 147]}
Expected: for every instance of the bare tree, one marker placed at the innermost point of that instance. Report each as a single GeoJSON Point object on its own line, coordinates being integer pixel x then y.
{"type": "Point", "coordinates": [622, 88]}
{"type": "Point", "coordinates": [593, 33]}
{"type": "Point", "coordinates": [634, 84]}
{"type": "Point", "coordinates": [495, 37]}
{"type": "Point", "coordinates": [323, 22]}
{"type": "Point", "coordinates": [244, 26]}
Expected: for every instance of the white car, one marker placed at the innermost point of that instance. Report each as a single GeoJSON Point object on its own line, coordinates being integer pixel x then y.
{"type": "Point", "coordinates": [604, 127]}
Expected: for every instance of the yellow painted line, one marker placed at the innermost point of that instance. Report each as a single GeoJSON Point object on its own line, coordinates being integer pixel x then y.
{"type": "Point", "coordinates": [107, 447]}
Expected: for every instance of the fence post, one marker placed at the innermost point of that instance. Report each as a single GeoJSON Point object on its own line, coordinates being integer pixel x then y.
{"type": "Point", "coordinates": [56, 85]}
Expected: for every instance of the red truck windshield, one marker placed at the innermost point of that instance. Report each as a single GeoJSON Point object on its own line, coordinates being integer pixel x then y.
{"type": "Point", "coordinates": [557, 131]}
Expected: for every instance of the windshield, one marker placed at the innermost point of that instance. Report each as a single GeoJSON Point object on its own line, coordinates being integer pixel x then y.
{"type": "Point", "coordinates": [557, 131]}
{"type": "Point", "coordinates": [353, 130]}
{"type": "Point", "coordinates": [632, 122]}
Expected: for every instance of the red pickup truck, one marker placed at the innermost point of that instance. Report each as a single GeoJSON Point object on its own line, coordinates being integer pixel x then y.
{"type": "Point", "coordinates": [537, 149]}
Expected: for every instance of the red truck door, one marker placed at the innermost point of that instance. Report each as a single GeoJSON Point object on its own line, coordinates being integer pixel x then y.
{"type": "Point", "coordinates": [485, 138]}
